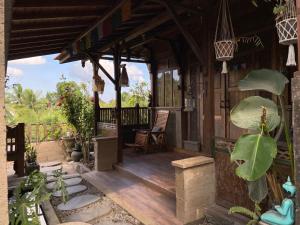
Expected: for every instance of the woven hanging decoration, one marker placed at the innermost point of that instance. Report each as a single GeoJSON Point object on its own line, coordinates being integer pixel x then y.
{"type": "Point", "coordinates": [224, 36]}
{"type": "Point", "coordinates": [286, 24]}
{"type": "Point", "coordinates": [99, 83]}
{"type": "Point", "coordinates": [124, 80]}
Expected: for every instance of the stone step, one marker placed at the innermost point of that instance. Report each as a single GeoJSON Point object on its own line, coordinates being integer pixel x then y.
{"type": "Point", "coordinates": [68, 182]}
{"type": "Point", "coordinates": [65, 177]}
{"type": "Point", "coordinates": [71, 190]}
{"type": "Point", "coordinates": [89, 214]}
{"type": "Point", "coordinates": [50, 169]}
{"type": "Point", "coordinates": [50, 164]}
{"type": "Point", "coordinates": [78, 202]}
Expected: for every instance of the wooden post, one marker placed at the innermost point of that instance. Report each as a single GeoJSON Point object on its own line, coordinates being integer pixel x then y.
{"type": "Point", "coordinates": [137, 110]}
{"type": "Point", "coordinates": [117, 62]}
{"type": "Point", "coordinates": [96, 102]}
{"type": "Point", "coordinates": [296, 120]}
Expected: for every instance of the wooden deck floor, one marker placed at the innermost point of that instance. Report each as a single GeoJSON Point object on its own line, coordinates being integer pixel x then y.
{"type": "Point", "coordinates": [153, 168]}
{"type": "Point", "coordinates": [149, 205]}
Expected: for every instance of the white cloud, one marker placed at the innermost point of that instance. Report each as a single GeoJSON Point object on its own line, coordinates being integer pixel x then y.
{"type": "Point", "coordinates": [14, 72]}
{"type": "Point", "coordinates": [38, 60]}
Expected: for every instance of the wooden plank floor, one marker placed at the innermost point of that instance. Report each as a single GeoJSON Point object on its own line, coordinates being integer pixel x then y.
{"type": "Point", "coordinates": [155, 168]}
{"type": "Point", "coordinates": [148, 205]}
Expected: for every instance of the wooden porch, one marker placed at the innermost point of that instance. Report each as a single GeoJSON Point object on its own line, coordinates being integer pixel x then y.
{"type": "Point", "coordinates": [144, 185]}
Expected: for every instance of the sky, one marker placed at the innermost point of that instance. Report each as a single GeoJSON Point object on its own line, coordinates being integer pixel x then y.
{"type": "Point", "coordinates": [43, 72]}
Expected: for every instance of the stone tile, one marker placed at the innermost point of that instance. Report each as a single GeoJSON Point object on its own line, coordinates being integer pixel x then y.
{"type": "Point", "coordinates": [68, 182]}
{"type": "Point", "coordinates": [50, 164]}
{"type": "Point", "coordinates": [78, 202]}
{"type": "Point", "coordinates": [50, 168]}
{"type": "Point", "coordinates": [91, 213]}
{"type": "Point", "coordinates": [65, 177]}
{"type": "Point", "coordinates": [112, 223]}
{"type": "Point", "coordinates": [71, 190]}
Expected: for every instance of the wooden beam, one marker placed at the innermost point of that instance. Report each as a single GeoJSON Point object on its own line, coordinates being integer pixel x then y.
{"type": "Point", "coordinates": [21, 14]}
{"type": "Point", "coordinates": [45, 29]}
{"type": "Point", "coordinates": [96, 62]}
{"type": "Point", "coordinates": [33, 54]}
{"type": "Point", "coordinates": [38, 41]}
{"type": "Point", "coordinates": [38, 33]}
{"type": "Point", "coordinates": [13, 52]}
{"type": "Point", "coordinates": [50, 36]}
{"type": "Point", "coordinates": [42, 24]}
{"type": "Point", "coordinates": [110, 12]}
{"type": "Point", "coordinates": [189, 38]}
{"type": "Point", "coordinates": [61, 3]}
{"type": "Point", "coordinates": [179, 5]}
{"type": "Point", "coordinates": [34, 46]}
{"type": "Point", "coordinates": [57, 19]}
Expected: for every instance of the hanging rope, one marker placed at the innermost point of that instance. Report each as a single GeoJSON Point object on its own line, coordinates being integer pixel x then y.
{"type": "Point", "coordinates": [224, 36]}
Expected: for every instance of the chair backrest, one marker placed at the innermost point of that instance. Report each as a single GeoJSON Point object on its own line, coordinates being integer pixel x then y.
{"type": "Point", "coordinates": [161, 119]}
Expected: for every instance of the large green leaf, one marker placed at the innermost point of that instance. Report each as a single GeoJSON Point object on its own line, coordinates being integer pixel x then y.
{"type": "Point", "coordinates": [258, 190]}
{"type": "Point", "coordinates": [247, 114]}
{"type": "Point", "coordinates": [264, 79]}
{"type": "Point", "coordinates": [256, 153]}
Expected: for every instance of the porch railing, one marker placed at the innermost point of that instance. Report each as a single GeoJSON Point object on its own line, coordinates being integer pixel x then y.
{"type": "Point", "coordinates": [39, 132]}
{"type": "Point", "coordinates": [130, 116]}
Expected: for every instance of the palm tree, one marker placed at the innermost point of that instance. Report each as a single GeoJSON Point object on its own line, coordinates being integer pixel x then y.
{"type": "Point", "coordinates": [17, 93]}
{"type": "Point", "coordinates": [29, 98]}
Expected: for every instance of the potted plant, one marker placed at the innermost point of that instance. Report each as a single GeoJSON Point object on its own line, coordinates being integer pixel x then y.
{"type": "Point", "coordinates": [76, 154]}
{"type": "Point", "coordinates": [31, 163]}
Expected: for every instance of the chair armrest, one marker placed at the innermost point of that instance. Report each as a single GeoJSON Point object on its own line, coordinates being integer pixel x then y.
{"type": "Point", "coordinates": [145, 131]}
{"type": "Point", "coordinates": [157, 132]}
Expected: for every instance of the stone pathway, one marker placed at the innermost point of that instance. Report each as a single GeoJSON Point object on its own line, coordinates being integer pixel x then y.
{"type": "Point", "coordinates": [86, 203]}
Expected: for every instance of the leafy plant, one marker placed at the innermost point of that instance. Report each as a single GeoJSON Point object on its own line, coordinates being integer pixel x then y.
{"type": "Point", "coordinates": [79, 112]}
{"type": "Point", "coordinates": [27, 197]}
{"type": "Point", "coordinates": [30, 153]}
{"type": "Point", "coordinates": [254, 153]}
{"type": "Point", "coordinates": [254, 215]}
{"type": "Point", "coordinates": [60, 185]}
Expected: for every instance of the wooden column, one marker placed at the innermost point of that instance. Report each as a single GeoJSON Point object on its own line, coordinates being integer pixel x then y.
{"type": "Point", "coordinates": [117, 62]}
{"type": "Point", "coordinates": [296, 120]}
{"type": "Point", "coordinates": [96, 103]}
{"type": "Point", "coordinates": [5, 8]}
{"type": "Point", "coordinates": [208, 97]}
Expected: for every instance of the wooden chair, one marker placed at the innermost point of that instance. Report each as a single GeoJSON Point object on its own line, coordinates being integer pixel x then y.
{"type": "Point", "coordinates": [155, 137]}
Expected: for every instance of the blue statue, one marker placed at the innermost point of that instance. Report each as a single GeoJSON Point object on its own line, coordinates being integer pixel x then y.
{"type": "Point", "coordinates": [283, 214]}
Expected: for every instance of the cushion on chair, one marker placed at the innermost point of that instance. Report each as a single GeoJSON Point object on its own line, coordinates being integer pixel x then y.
{"type": "Point", "coordinates": [156, 129]}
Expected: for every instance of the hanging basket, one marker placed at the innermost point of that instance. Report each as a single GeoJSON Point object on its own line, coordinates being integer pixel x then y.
{"type": "Point", "coordinates": [224, 50]}
{"type": "Point", "coordinates": [287, 31]}
{"type": "Point", "coordinates": [224, 37]}
{"type": "Point", "coordinates": [99, 84]}
{"type": "Point", "coordinates": [286, 25]}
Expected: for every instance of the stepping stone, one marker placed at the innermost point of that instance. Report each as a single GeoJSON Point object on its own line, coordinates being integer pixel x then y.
{"type": "Point", "coordinates": [50, 164]}
{"type": "Point", "coordinates": [68, 182]}
{"type": "Point", "coordinates": [90, 214]}
{"type": "Point", "coordinates": [51, 173]}
{"type": "Point", "coordinates": [78, 202]}
{"type": "Point", "coordinates": [65, 177]}
{"type": "Point", "coordinates": [112, 223]}
{"type": "Point", "coordinates": [50, 168]}
{"type": "Point", "coordinates": [71, 190]}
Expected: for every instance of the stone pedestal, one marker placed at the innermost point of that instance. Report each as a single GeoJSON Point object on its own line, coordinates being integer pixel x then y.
{"type": "Point", "coordinates": [195, 187]}
{"type": "Point", "coordinates": [105, 149]}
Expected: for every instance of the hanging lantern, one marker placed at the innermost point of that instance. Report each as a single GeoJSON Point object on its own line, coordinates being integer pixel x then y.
{"type": "Point", "coordinates": [224, 37]}
{"type": "Point", "coordinates": [286, 24]}
{"type": "Point", "coordinates": [124, 80]}
{"type": "Point", "coordinates": [189, 101]}
{"type": "Point", "coordinates": [99, 84]}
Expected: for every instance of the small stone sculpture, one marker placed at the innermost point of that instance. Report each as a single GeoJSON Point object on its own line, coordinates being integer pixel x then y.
{"type": "Point", "coordinates": [283, 214]}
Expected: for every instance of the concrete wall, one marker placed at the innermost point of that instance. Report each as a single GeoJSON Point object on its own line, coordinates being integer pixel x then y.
{"type": "Point", "coordinates": [50, 151]}
{"type": "Point", "coordinates": [3, 175]}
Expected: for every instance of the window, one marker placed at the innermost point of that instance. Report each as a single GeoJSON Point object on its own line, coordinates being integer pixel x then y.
{"type": "Point", "coordinates": [168, 89]}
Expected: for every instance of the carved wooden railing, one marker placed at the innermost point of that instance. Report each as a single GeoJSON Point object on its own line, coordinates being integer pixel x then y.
{"type": "Point", "coordinates": [15, 147]}
{"type": "Point", "coordinates": [129, 116]}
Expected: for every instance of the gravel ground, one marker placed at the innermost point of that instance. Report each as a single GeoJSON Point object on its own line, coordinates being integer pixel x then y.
{"type": "Point", "coordinates": [117, 216]}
